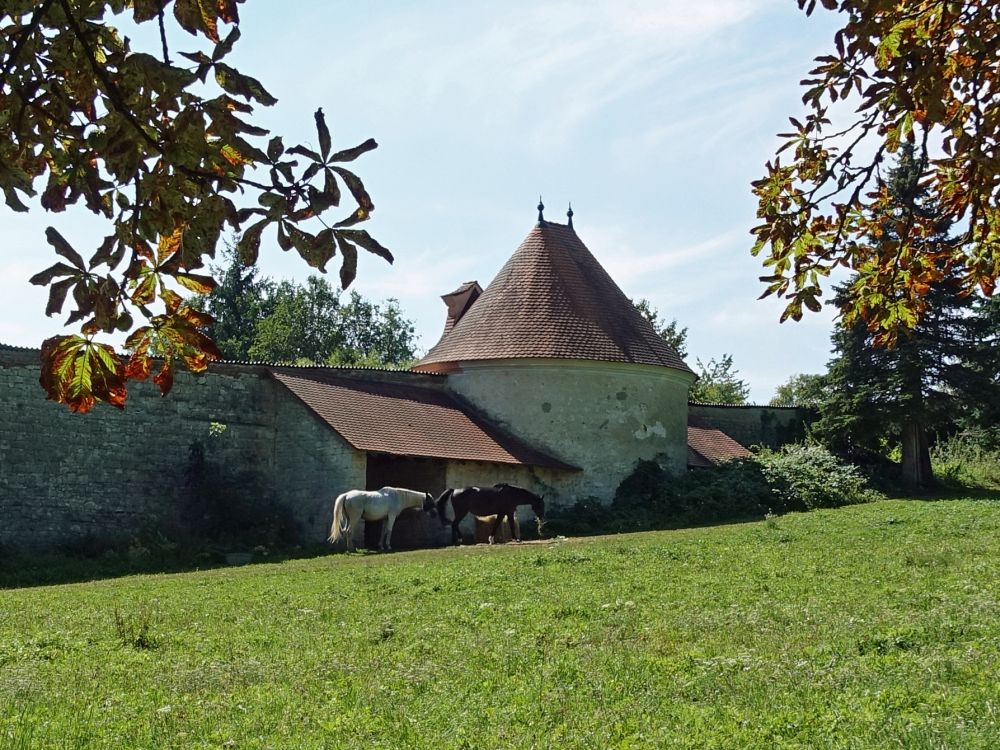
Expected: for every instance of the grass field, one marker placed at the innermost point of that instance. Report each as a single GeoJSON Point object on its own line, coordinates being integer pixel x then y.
{"type": "Point", "coordinates": [865, 627]}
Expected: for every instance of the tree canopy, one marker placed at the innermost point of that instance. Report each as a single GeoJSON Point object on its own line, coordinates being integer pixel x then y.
{"type": "Point", "coordinates": [158, 143]}
{"type": "Point", "coordinates": [920, 72]}
{"type": "Point", "coordinates": [670, 332]}
{"type": "Point", "coordinates": [801, 390]}
{"type": "Point", "coordinates": [719, 383]}
{"type": "Point", "coordinates": [258, 319]}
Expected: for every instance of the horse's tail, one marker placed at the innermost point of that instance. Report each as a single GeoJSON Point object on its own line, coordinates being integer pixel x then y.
{"type": "Point", "coordinates": [336, 528]}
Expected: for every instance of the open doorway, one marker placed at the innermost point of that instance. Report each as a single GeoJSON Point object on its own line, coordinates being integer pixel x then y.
{"type": "Point", "coordinates": [413, 528]}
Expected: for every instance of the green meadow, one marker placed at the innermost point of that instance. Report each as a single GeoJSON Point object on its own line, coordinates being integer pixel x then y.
{"type": "Point", "coordinates": [870, 626]}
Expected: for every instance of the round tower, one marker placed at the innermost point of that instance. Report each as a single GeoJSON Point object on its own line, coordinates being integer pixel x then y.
{"type": "Point", "coordinates": [555, 352]}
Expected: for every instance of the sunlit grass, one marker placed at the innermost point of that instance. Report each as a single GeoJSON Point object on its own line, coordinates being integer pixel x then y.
{"type": "Point", "coordinates": [865, 627]}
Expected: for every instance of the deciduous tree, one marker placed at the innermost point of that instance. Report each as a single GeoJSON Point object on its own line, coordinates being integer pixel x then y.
{"type": "Point", "coordinates": [257, 319]}
{"type": "Point", "coordinates": [719, 383]}
{"type": "Point", "coordinates": [670, 332]}
{"type": "Point", "coordinates": [160, 143]}
{"type": "Point", "coordinates": [920, 72]}
{"type": "Point", "coordinates": [801, 390]}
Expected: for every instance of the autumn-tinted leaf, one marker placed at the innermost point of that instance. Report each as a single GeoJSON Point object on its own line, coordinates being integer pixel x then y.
{"type": "Point", "coordinates": [145, 291]}
{"type": "Point", "coordinates": [357, 189]}
{"type": "Point", "coordinates": [165, 377]}
{"type": "Point", "coordinates": [197, 318]}
{"type": "Point", "coordinates": [138, 367]}
{"type": "Point", "coordinates": [196, 282]}
{"type": "Point", "coordinates": [357, 216]}
{"type": "Point", "coordinates": [242, 85]}
{"type": "Point", "coordinates": [169, 244]}
{"type": "Point", "coordinates": [249, 244]}
{"type": "Point", "coordinates": [224, 47]}
{"type": "Point", "coordinates": [57, 296]}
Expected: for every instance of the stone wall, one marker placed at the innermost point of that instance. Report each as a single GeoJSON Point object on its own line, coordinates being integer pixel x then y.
{"type": "Point", "coordinates": [770, 426]}
{"type": "Point", "coordinates": [600, 416]}
{"type": "Point", "coordinates": [106, 475]}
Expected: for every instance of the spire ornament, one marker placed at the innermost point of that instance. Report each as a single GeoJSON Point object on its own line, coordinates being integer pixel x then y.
{"type": "Point", "coordinates": [541, 207]}
{"type": "Point", "coordinates": [569, 215]}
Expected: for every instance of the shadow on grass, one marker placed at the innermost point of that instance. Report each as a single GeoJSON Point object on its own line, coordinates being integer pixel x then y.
{"type": "Point", "coordinates": [623, 525]}
{"type": "Point", "coordinates": [26, 571]}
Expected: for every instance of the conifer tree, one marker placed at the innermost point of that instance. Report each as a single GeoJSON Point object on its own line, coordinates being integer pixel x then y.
{"type": "Point", "coordinates": [942, 368]}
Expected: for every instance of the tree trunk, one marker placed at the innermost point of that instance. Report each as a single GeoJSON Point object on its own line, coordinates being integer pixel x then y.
{"type": "Point", "coordinates": [916, 469]}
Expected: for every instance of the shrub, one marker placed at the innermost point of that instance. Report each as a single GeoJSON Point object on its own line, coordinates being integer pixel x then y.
{"type": "Point", "coordinates": [970, 460]}
{"type": "Point", "coordinates": [797, 477]}
{"type": "Point", "coordinates": [805, 477]}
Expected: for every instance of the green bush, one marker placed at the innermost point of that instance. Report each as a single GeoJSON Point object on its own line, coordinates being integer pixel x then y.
{"type": "Point", "coordinates": [795, 478]}
{"type": "Point", "coordinates": [805, 477]}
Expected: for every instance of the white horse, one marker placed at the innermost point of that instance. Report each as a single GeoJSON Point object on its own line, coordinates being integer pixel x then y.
{"type": "Point", "coordinates": [374, 505]}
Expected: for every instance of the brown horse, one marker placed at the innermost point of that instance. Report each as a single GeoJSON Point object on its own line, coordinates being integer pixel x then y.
{"type": "Point", "coordinates": [500, 500]}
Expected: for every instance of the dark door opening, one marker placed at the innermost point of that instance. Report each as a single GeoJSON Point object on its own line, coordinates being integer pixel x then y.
{"type": "Point", "coordinates": [412, 528]}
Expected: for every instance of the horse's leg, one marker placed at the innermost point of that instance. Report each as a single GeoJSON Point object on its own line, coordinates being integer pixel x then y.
{"type": "Point", "coordinates": [348, 530]}
{"type": "Point", "coordinates": [515, 527]}
{"type": "Point", "coordinates": [352, 521]}
{"type": "Point", "coordinates": [496, 526]}
{"type": "Point", "coordinates": [387, 531]}
{"type": "Point", "coordinates": [455, 533]}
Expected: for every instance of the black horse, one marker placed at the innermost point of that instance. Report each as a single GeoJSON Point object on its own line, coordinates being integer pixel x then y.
{"type": "Point", "coordinates": [500, 500]}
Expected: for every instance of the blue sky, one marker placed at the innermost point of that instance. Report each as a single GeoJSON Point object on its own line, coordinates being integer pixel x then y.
{"type": "Point", "coordinates": [652, 117]}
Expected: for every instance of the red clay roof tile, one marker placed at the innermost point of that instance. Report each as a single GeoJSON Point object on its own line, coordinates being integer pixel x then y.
{"type": "Point", "coordinates": [552, 299]}
{"type": "Point", "coordinates": [406, 420]}
{"type": "Point", "coordinates": [708, 445]}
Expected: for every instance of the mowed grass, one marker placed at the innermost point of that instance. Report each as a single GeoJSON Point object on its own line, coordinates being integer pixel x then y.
{"type": "Point", "coordinates": [865, 627]}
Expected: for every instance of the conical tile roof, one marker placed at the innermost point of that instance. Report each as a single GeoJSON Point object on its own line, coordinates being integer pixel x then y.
{"type": "Point", "coordinates": [552, 299]}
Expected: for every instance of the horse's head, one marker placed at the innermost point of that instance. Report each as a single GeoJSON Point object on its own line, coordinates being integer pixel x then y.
{"type": "Point", "coordinates": [429, 504]}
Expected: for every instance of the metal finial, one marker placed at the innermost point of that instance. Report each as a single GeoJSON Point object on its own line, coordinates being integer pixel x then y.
{"type": "Point", "coordinates": [569, 215]}
{"type": "Point", "coordinates": [541, 207]}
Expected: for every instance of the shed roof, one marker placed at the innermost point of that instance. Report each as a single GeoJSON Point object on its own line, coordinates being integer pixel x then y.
{"type": "Point", "coordinates": [407, 420]}
{"type": "Point", "coordinates": [552, 299]}
{"type": "Point", "coordinates": [708, 445]}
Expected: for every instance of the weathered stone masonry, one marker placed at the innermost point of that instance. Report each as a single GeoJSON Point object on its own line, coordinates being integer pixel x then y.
{"type": "Point", "coordinates": [110, 473]}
